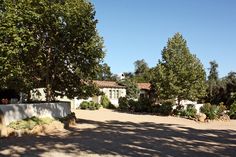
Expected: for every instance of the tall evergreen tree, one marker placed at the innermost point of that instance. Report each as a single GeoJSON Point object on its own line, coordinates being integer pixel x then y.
{"type": "Point", "coordinates": [212, 81]}
{"type": "Point", "coordinates": [52, 44]}
{"type": "Point", "coordinates": [179, 74]}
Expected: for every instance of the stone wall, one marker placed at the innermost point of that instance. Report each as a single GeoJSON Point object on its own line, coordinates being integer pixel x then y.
{"type": "Point", "coordinates": [14, 112]}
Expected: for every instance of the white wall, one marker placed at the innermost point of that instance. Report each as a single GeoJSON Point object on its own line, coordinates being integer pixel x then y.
{"type": "Point", "coordinates": [39, 95]}
{"type": "Point", "coordinates": [114, 98]}
{"type": "Point", "coordinates": [14, 112]}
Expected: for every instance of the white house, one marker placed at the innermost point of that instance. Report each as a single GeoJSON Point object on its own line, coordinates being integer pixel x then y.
{"type": "Point", "coordinates": [110, 88]}
{"type": "Point", "coordinates": [144, 90]}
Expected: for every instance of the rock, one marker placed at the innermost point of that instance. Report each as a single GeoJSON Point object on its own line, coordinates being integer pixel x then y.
{"type": "Point", "coordinates": [37, 130]}
{"type": "Point", "coordinates": [72, 121]}
{"type": "Point", "coordinates": [224, 117]}
{"type": "Point", "coordinates": [201, 117]}
{"type": "Point", "coordinates": [53, 127]}
{"type": "Point", "coordinates": [6, 131]}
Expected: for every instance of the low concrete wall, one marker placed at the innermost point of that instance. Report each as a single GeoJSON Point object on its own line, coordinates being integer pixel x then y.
{"type": "Point", "coordinates": [14, 112]}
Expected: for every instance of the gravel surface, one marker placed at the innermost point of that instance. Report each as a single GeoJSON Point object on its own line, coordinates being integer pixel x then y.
{"type": "Point", "coordinates": [111, 133]}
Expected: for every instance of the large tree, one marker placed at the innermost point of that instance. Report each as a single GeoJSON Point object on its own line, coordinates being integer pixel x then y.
{"type": "Point", "coordinates": [179, 74]}
{"type": "Point", "coordinates": [104, 73]}
{"type": "Point", "coordinates": [141, 71]}
{"type": "Point", "coordinates": [52, 44]}
{"type": "Point", "coordinates": [140, 67]}
{"type": "Point", "coordinates": [213, 81]}
{"type": "Point", "coordinates": [132, 90]}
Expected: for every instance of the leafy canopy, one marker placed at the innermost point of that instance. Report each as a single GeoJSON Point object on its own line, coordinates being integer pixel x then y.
{"type": "Point", "coordinates": [179, 74]}
{"type": "Point", "coordinates": [52, 44]}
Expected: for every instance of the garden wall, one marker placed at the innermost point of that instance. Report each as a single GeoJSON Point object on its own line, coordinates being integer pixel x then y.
{"type": "Point", "coordinates": [14, 112]}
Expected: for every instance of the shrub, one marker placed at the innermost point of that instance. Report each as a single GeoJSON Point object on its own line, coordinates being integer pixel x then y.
{"type": "Point", "coordinates": [211, 111]}
{"type": "Point", "coordinates": [178, 110]}
{"type": "Point", "coordinates": [232, 111]}
{"type": "Point", "coordinates": [105, 101]}
{"type": "Point", "coordinates": [134, 105]}
{"type": "Point", "coordinates": [89, 105]}
{"type": "Point", "coordinates": [92, 105]}
{"type": "Point", "coordinates": [123, 104]}
{"type": "Point", "coordinates": [97, 105]}
{"type": "Point", "coordinates": [30, 123]}
{"type": "Point", "coordinates": [111, 106]}
{"type": "Point", "coordinates": [190, 111]}
{"type": "Point", "coordinates": [84, 105]}
{"type": "Point", "coordinates": [144, 105]}
{"type": "Point", "coordinates": [166, 108]}
{"type": "Point", "coordinates": [222, 108]}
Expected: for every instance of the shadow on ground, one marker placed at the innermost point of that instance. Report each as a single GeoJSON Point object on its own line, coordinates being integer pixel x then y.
{"type": "Point", "coordinates": [127, 139]}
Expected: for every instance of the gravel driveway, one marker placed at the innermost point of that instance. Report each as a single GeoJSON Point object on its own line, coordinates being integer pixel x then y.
{"type": "Point", "coordinates": [110, 133]}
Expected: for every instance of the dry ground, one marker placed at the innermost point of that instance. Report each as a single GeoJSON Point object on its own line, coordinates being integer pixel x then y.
{"type": "Point", "coordinates": [110, 133]}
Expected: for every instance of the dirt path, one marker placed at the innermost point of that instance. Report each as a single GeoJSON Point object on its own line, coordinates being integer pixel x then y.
{"type": "Point", "coordinates": [110, 133]}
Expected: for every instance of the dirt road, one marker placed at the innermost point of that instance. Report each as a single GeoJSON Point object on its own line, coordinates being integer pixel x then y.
{"type": "Point", "coordinates": [110, 133]}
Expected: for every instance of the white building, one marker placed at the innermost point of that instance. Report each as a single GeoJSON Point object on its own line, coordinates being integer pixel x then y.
{"type": "Point", "coordinates": [110, 88]}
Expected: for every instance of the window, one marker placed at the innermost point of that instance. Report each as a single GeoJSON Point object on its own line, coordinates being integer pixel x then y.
{"type": "Point", "coordinates": [114, 94]}
{"type": "Point", "coordinates": [110, 93]}
{"type": "Point", "coordinates": [117, 94]}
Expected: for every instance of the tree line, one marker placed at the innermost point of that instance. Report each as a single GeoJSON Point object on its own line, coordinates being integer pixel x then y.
{"type": "Point", "coordinates": [55, 44]}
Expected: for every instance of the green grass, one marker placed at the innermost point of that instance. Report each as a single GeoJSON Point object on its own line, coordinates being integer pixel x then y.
{"type": "Point", "coordinates": [30, 123]}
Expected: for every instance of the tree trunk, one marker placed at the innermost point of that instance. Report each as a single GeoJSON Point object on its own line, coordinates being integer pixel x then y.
{"type": "Point", "coordinates": [179, 100]}
{"type": "Point", "coordinates": [48, 85]}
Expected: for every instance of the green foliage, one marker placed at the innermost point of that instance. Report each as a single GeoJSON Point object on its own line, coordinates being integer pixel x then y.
{"type": "Point", "coordinates": [30, 123]}
{"type": "Point", "coordinates": [178, 110]}
{"type": "Point", "coordinates": [132, 90]}
{"type": "Point", "coordinates": [166, 108]}
{"type": "Point", "coordinates": [232, 111]}
{"type": "Point", "coordinates": [222, 108]}
{"type": "Point", "coordinates": [179, 74]}
{"type": "Point", "coordinates": [105, 102]}
{"type": "Point", "coordinates": [123, 104]}
{"type": "Point", "coordinates": [104, 72]}
{"type": "Point", "coordinates": [190, 111]}
{"type": "Point", "coordinates": [222, 90]}
{"type": "Point", "coordinates": [142, 71]}
{"type": "Point", "coordinates": [142, 105]}
{"type": "Point", "coordinates": [84, 105]}
{"type": "Point", "coordinates": [51, 44]}
{"type": "Point", "coordinates": [211, 111]}
{"type": "Point", "coordinates": [111, 106]}
{"type": "Point", "coordinates": [89, 105]}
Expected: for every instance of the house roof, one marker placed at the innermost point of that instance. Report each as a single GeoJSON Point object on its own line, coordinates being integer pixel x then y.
{"type": "Point", "coordinates": [107, 84]}
{"type": "Point", "coordinates": [145, 86]}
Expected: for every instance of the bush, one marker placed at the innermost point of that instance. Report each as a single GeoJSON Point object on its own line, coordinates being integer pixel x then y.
{"type": "Point", "coordinates": [178, 110]}
{"type": "Point", "coordinates": [211, 111]}
{"type": "Point", "coordinates": [190, 111]}
{"type": "Point", "coordinates": [105, 101]}
{"type": "Point", "coordinates": [222, 108]}
{"type": "Point", "coordinates": [123, 104]}
{"type": "Point", "coordinates": [92, 105]}
{"type": "Point", "coordinates": [232, 111]}
{"type": "Point", "coordinates": [166, 108]}
{"type": "Point", "coordinates": [143, 105]}
{"type": "Point", "coordinates": [89, 105]}
{"type": "Point", "coordinates": [30, 123]}
{"type": "Point", "coordinates": [111, 106]}
{"type": "Point", "coordinates": [84, 105]}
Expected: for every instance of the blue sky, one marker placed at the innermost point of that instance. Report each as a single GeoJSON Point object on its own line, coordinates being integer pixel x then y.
{"type": "Point", "coordinates": [139, 29]}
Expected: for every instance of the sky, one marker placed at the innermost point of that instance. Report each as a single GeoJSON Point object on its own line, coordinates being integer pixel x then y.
{"type": "Point", "coordinates": [139, 29]}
